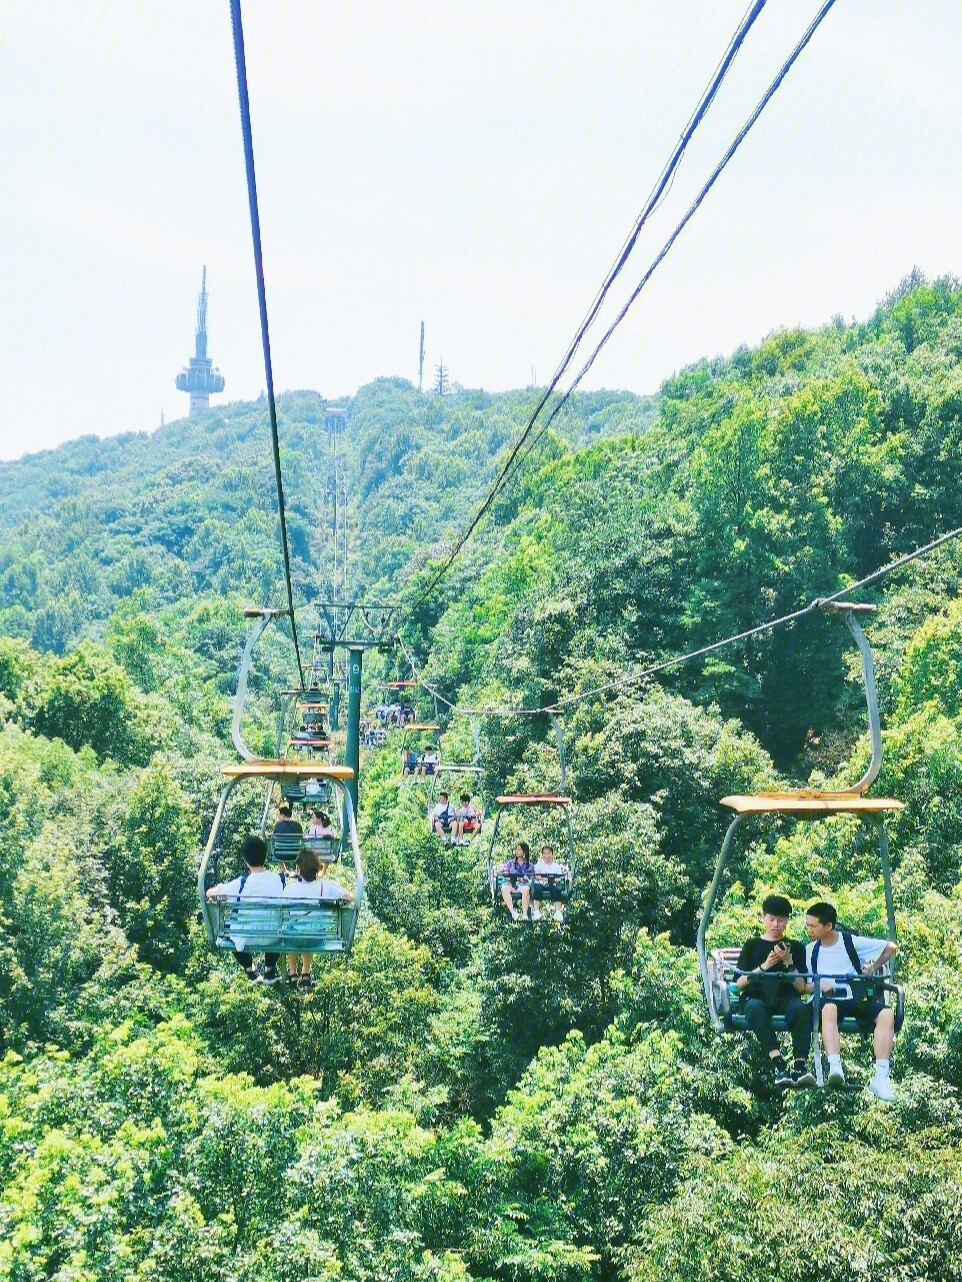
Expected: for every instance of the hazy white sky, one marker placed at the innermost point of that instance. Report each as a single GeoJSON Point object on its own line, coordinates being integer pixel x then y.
{"type": "Point", "coordinates": [475, 165]}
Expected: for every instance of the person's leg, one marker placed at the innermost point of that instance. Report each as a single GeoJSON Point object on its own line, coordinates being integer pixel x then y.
{"type": "Point", "coordinates": [884, 1037]}
{"type": "Point", "coordinates": [832, 1012]}
{"type": "Point", "coordinates": [798, 1017]}
{"type": "Point", "coordinates": [506, 897]}
{"type": "Point", "coordinates": [759, 1020]}
{"type": "Point", "coordinates": [525, 900]}
{"type": "Point", "coordinates": [830, 1034]}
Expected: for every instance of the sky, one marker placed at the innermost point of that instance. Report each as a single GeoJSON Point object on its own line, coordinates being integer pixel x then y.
{"type": "Point", "coordinates": [477, 166]}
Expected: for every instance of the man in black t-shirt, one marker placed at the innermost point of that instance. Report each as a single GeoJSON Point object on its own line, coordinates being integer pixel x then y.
{"type": "Point", "coordinates": [286, 824]}
{"type": "Point", "coordinates": [768, 991]}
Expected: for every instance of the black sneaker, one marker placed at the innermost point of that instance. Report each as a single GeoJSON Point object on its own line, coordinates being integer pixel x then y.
{"type": "Point", "coordinates": [252, 974]}
{"type": "Point", "coordinates": [803, 1077]}
{"type": "Point", "coordinates": [270, 976]}
{"type": "Point", "coordinates": [783, 1078]}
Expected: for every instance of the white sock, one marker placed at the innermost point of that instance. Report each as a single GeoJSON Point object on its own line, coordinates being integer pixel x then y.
{"type": "Point", "coordinates": [881, 1066]}
{"type": "Point", "coordinates": [835, 1061]}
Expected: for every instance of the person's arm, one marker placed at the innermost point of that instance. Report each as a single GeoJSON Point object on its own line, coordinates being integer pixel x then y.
{"type": "Point", "coordinates": [768, 964]}
{"type": "Point", "coordinates": [871, 967]}
{"type": "Point", "coordinates": [224, 888]}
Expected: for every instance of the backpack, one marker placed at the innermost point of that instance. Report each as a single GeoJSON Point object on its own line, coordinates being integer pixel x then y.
{"type": "Point", "coordinates": [862, 988]}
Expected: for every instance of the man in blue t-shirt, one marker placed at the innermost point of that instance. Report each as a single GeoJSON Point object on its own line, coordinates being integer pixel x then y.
{"type": "Point", "coordinates": [832, 955]}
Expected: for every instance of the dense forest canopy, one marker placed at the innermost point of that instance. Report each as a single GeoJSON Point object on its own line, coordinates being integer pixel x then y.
{"type": "Point", "coordinates": [464, 1099]}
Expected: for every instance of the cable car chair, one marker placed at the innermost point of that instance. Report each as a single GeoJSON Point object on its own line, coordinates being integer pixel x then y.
{"type": "Point", "coordinates": [564, 883]}
{"type": "Point", "coordinates": [724, 999]}
{"type": "Point", "coordinates": [287, 924]}
{"type": "Point", "coordinates": [413, 729]}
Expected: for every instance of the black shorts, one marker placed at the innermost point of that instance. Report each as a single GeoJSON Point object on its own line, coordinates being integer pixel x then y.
{"type": "Point", "coordinates": [553, 891]}
{"type": "Point", "coordinates": [865, 1013]}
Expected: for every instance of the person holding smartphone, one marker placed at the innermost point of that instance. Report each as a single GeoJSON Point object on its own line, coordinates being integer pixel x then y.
{"type": "Point", "coordinates": [766, 965]}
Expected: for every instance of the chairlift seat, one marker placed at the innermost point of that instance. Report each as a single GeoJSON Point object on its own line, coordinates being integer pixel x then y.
{"type": "Point", "coordinates": [274, 925]}
{"type": "Point", "coordinates": [730, 1000]}
{"type": "Point", "coordinates": [504, 879]}
{"type": "Point", "coordinates": [327, 849]}
{"type": "Point", "coordinates": [558, 880]}
{"type": "Point", "coordinates": [285, 846]}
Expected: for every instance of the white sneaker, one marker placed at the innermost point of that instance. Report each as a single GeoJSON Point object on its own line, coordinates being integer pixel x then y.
{"type": "Point", "coordinates": [881, 1085]}
{"type": "Point", "coordinates": [836, 1077]}
{"type": "Point", "coordinates": [535, 914]}
{"type": "Point", "coordinates": [559, 915]}
{"type": "Point", "coordinates": [515, 915]}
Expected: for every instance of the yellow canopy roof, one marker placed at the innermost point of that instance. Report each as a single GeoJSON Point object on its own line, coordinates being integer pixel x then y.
{"type": "Point", "coordinates": [287, 770]}
{"type": "Point", "coordinates": [810, 803]}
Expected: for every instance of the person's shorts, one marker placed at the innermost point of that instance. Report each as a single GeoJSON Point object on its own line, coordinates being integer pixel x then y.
{"type": "Point", "coordinates": [864, 1012]}
{"type": "Point", "coordinates": [553, 891]}
{"type": "Point", "coordinates": [469, 825]}
{"type": "Point", "coordinates": [446, 825]}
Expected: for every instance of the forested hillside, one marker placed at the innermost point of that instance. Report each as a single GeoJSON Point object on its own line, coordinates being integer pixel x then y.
{"type": "Point", "coordinates": [467, 1098]}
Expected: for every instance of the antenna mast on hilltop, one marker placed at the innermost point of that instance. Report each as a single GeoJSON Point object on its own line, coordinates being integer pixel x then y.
{"type": "Point", "coordinates": [200, 377]}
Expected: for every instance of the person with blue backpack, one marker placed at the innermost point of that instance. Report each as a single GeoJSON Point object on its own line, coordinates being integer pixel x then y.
{"type": "Point", "coordinates": [839, 960]}
{"type": "Point", "coordinates": [256, 883]}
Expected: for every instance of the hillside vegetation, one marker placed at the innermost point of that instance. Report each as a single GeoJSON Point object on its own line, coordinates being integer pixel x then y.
{"type": "Point", "coordinates": [466, 1099]}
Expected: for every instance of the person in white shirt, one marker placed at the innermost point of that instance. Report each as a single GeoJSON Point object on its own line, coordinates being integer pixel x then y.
{"type": "Point", "coordinates": [309, 886]}
{"type": "Point", "coordinates": [255, 883]}
{"type": "Point", "coordinates": [835, 956]}
{"type": "Point", "coordinates": [441, 818]}
{"type": "Point", "coordinates": [550, 882]}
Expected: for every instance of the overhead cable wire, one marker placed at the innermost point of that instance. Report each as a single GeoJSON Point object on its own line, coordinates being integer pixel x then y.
{"type": "Point", "coordinates": [692, 209]}
{"type": "Point", "coordinates": [658, 191]}
{"type": "Point", "coordinates": [643, 674]}
{"type": "Point", "coordinates": [245, 114]}
{"type": "Point", "coordinates": [664, 179]}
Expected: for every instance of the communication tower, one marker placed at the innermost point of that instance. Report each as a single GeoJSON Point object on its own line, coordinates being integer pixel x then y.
{"type": "Point", "coordinates": [200, 377]}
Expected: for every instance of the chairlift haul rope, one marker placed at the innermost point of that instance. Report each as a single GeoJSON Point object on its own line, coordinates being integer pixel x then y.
{"type": "Point", "coordinates": [677, 660]}
{"type": "Point", "coordinates": [516, 458]}
{"type": "Point", "coordinates": [245, 113]}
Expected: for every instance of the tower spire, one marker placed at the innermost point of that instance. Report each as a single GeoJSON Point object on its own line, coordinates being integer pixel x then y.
{"type": "Point", "coordinates": [200, 377]}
